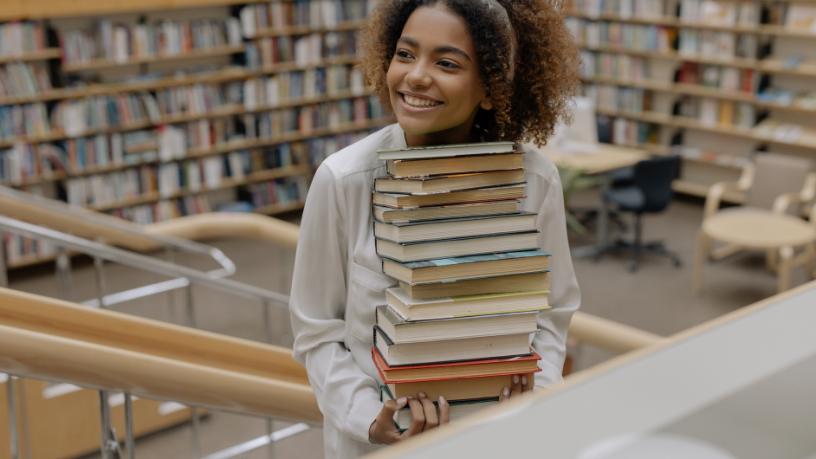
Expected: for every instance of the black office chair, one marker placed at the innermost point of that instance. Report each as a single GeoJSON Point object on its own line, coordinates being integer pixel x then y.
{"type": "Point", "coordinates": [651, 193]}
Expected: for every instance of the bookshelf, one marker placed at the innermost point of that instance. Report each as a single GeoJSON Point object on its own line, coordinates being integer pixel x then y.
{"type": "Point", "coordinates": [237, 100]}
{"type": "Point", "coordinates": [712, 80]}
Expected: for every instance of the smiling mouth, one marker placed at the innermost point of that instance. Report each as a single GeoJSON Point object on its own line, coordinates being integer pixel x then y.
{"type": "Point", "coordinates": [419, 102]}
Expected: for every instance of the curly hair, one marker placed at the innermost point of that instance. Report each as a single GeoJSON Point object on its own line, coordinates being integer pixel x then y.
{"type": "Point", "coordinates": [546, 76]}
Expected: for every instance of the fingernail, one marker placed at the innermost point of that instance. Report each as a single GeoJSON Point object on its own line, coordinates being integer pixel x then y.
{"type": "Point", "coordinates": [421, 394]}
{"type": "Point", "coordinates": [515, 379]}
{"type": "Point", "coordinates": [524, 380]}
{"type": "Point", "coordinates": [409, 397]}
{"type": "Point", "coordinates": [442, 401]}
{"type": "Point", "coordinates": [402, 399]}
{"type": "Point", "coordinates": [506, 391]}
{"type": "Point", "coordinates": [537, 388]}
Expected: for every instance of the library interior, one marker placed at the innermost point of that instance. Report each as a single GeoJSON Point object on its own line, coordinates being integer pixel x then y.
{"type": "Point", "coordinates": [155, 162]}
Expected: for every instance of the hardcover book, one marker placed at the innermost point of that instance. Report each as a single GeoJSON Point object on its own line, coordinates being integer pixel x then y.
{"type": "Point", "coordinates": [454, 165]}
{"type": "Point", "coordinates": [471, 305]}
{"type": "Point", "coordinates": [488, 284]}
{"type": "Point", "coordinates": [471, 267]}
{"type": "Point", "coordinates": [457, 247]}
{"type": "Point", "coordinates": [389, 215]}
{"type": "Point", "coordinates": [402, 201]}
{"type": "Point", "coordinates": [446, 183]}
{"type": "Point", "coordinates": [446, 151]}
{"type": "Point", "coordinates": [464, 369]}
{"type": "Point", "coordinates": [455, 227]}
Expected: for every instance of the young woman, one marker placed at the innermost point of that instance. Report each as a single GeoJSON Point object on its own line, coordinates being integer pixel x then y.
{"type": "Point", "coordinates": [452, 71]}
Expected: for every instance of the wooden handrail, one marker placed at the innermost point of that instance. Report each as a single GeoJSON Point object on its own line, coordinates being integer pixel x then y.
{"type": "Point", "coordinates": [47, 338]}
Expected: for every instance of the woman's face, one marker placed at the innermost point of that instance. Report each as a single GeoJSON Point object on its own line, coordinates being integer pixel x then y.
{"type": "Point", "coordinates": [433, 79]}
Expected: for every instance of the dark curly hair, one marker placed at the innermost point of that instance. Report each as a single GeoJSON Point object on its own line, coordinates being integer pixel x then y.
{"type": "Point", "coordinates": [547, 61]}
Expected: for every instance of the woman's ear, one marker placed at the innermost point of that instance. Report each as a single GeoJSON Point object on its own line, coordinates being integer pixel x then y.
{"type": "Point", "coordinates": [486, 103]}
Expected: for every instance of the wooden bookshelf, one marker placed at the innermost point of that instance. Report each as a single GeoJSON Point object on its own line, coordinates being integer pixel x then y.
{"type": "Point", "coordinates": [274, 209]}
{"type": "Point", "coordinates": [97, 64]}
{"type": "Point", "coordinates": [306, 30]}
{"type": "Point", "coordinates": [43, 55]}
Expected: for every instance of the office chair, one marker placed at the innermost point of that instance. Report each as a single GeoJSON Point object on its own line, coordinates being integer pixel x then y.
{"type": "Point", "coordinates": [651, 193]}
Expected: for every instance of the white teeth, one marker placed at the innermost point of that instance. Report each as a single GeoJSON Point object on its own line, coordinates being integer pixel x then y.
{"type": "Point", "coordinates": [417, 102]}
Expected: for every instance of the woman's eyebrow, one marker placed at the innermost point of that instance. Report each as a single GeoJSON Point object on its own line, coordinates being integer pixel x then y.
{"type": "Point", "coordinates": [438, 50]}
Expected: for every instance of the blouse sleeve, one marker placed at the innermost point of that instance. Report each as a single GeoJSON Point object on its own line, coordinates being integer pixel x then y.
{"type": "Point", "coordinates": [564, 297]}
{"type": "Point", "coordinates": [347, 395]}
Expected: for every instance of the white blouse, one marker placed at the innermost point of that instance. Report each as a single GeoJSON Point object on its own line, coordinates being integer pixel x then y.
{"type": "Point", "coordinates": [338, 282]}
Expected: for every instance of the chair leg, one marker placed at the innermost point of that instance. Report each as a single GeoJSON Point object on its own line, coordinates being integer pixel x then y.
{"type": "Point", "coordinates": [771, 260]}
{"type": "Point", "coordinates": [784, 267]}
{"type": "Point", "coordinates": [703, 244]}
{"type": "Point", "coordinates": [637, 247]}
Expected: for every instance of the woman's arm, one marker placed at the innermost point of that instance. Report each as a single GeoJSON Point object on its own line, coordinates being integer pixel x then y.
{"type": "Point", "coordinates": [347, 396]}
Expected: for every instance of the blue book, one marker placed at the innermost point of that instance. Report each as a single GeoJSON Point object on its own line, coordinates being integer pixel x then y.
{"type": "Point", "coordinates": [464, 268]}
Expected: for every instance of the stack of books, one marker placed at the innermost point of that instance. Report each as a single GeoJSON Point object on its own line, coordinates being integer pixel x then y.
{"type": "Point", "coordinates": [471, 276]}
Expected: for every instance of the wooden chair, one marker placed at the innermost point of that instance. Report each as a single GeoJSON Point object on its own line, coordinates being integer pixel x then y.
{"type": "Point", "coordinates": [772, 183]}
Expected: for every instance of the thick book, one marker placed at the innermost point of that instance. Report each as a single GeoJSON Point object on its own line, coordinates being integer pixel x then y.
{"type": "Point", "coordinates": [457, 247]}
{"type": "Point", "coordinates": [452, 350]}
{"type": "Point", "coordinates": [445, 183]}
{"type": "Point", "coordinates": [455, 227]}
{"type": "Point", "coordinates": [414, 309]}
{"type": "Point", "coordinates": [389, 215]}
{"type": "Point", "coordinates": [401, 330]}
{"type": "Point", "coordinates": [454, 165]}
{"type": "Point", "coordinates": [457, 389]}
{"type": "Point", "coordinates": [446, 151]}
{"type": "Point", "coordinates": [463, 268]}
{"type": "Point", "coordinates": [403, 201]}
{"type": "Point", "coordinates": [466, 369]}
{"type": "Point", "coordinates": [456, 410]}
{"type": "Point", "coordinates": [490, 284]}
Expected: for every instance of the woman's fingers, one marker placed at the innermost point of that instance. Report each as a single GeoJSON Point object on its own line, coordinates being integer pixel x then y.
{"type": "Point", "coordinates": [417, 418]}
{"type": "Point", "coordinates": [526, 384]}
{"type": "Point", "coordinates": [431, 419]}
{"type": "Point", "coordinates": [516, 390]}
{"type": "Point", "coordinates": [444, 411]}
{"type": "Point", "coordinates": [504, 394]}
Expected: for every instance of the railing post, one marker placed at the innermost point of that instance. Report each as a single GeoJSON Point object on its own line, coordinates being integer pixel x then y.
{"type": "Point", "coordinates": [267, 327]}
{"type": "Point", "coordinates": [270, 447]}
{"type": "Point", "coordinates": [64, 273]}
{"type": "Point", "coordinates": [99, 266]}
{"type": "Point", "coordinates": [190, 309]}
{"type": "Point", "coordinates": [3, 267]}
{"type": "Point", "coordinates": [14, 436]}
{"type": "Point", "coordinates": [196, 437]}
{"type": "Point", "coordinates": [129, 443]}
{"type": "Point", "coordinates": [105, 425]}
{"type": "Point", "coordinates": [24, 417]}
{"type": "Point", "coordinates": [172, 315]}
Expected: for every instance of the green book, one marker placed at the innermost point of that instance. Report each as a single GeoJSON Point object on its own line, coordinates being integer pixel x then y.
{"type": "Point", "coordinates": [446, 151]}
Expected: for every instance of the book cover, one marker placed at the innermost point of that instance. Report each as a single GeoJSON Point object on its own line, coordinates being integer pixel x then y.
{"type": "Point", "coordinates": [381, 363]}
{"type": "Point", "coordinates": [437, 262]}
{"type": "Point", "coordinates": [443, 151]}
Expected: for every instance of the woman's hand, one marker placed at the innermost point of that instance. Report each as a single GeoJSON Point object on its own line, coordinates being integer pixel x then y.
{"type": "Point", "coordinates": [423, 417]}
{"type": "Point", "coordinates": [520, 385]}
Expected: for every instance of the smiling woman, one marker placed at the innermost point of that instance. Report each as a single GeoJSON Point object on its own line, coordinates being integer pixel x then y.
{"type": "Point", "coordinates": [451, 71]}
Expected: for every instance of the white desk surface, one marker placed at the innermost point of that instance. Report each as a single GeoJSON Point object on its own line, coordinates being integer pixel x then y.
{"type": "Point", "coordinates": [743, 381]}
{"type": "Point", "coordinates": [606, 158]}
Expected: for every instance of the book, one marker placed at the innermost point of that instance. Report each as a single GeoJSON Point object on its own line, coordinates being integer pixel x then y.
{"type": "Point", "coordinates": [466, 306]}
{"type": "Point", "coordinates": [468, 368]}
{"type": "Point", "coordinates": [456, 389]}
{"type": "Point", "coordinates": [454, 227]}
{"type": "Point", "coordinates": [402, 201]}
{"type": "Point", "coordinates": [405, 331]}
{"type": "Point", "coordinates": [446, 151]}
{"type": "Point", "coordinates": [389, 215]}
{"type": "Point", "coordinates": [452, 350]}
{"type": "Point", "coordinates": [462, 268]}
{"type": "Point", "coordinates": [457, 247]}
{"type": "Point", "coordinates": [453, 165]}
{"type": "Point", "coordinates": [456, 410]}
{"type": "Point", "coordinates": [486, 285]}
{"type": "Point", "coordinates": [445, 183]}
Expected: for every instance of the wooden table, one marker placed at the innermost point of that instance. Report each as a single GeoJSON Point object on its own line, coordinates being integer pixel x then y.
{"type": "Point", "coordinates": [762, 231]}
{"type": "Point", "coordinates": [604, 159]}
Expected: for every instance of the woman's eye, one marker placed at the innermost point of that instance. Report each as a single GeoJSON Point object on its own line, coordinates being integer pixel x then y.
{"type": "Point", "coordinates": [404, 54]}
{"type": "Point", "coordinates": [449, 65]}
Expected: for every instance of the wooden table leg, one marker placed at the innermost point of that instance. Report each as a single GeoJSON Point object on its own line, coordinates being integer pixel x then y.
{"type": "Point", "coordinates": [785, 267]}
{"type": "Point", "coordinates": [703, 243]}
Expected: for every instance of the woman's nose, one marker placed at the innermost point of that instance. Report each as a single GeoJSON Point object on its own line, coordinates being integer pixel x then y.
{"type": "Point", "coordinates": [419, 76]}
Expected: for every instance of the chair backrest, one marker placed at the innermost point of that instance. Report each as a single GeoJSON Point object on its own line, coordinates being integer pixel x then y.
{"type": "Point", "coordinates": [654, 178]}
{"type": "Point", "coordinates": [776, 174]}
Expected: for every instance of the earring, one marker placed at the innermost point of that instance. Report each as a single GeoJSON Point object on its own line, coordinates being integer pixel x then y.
{"type": "Point", "coordinates": [486, 103]}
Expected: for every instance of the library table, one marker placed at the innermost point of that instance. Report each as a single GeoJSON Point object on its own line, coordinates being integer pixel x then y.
{"type": "Point", "coordinates": [758, 230]}
{"type": "Point", "coordinates": [742, 383]}
{"type": "Point", "coordinates": [595, 159]}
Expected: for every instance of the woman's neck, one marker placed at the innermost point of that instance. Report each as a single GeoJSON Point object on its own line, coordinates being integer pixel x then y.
{"type": "Point", "coordinates": [459, 134]}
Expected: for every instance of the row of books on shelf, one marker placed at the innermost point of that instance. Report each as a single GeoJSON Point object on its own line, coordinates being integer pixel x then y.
{"type": "Point", "coordinates": [805, 100]}
{"type": "Point", "coordinates": [729, 79]}
{"type": "Point", "coordinates": [258, 17]}
{"type": "Point", "coordinates": [23, 79]}
{"type": "Point", "coordinates": [20, 37]}
{"type": "Point", "coordinates": [24, 121]}
{"type": "Point", "coordinates": [623, 8]}
{"type": "Point", "coordinates": [708, 156]}
{"type": "Point", "coordinates": [21, 248]}
{"type": "Point", "coordinates": [279, 192]}
{"type": "Point", "coordinates": [302, 50]}
{"type": "Point", "coordinates": [472, 278]}
{"type": "Point", "coordinates": [633, 37]}
{"type": "Point", "coordinates": [612, 97]}
{"type": "Point", "coordinates": [120, 43]}
{"type": "Point", "coordinates": [613, 65]}
{"type": "Point", "coordinates": [712, 112]}
{"type": "Point", "coordinates": [785, 132]}
{"type": "Point", "coordinates": [720, 12]}
{"type": "Point", "coordinates": [626, 132]}
{"type": "Point", "coordinates": [197, 99]}
{"type": "Point", "coordinates": [285, 86]}
{"type": "Point", "coordinates": [165, 209]}
{"type": "Point", "coordinates": [720, 45]}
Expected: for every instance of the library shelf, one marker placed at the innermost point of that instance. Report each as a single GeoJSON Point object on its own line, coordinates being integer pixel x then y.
{"type": "Point", "coordinates": [306, 30]}
{"type": "Point", "coordinates": [217, 76]}
{"type": "Point", "coordinates": [226, 182]}
{"type": "Point", "coordinates": [274, 209]}
{"type": "Point", "coordinates": [29, 260]}
{"type": "Point", "coordinates": [41, 55]}
{"type": "Point", "coordinates": [97, 64]}
{"type": "Point", "coordinates": [671, 21]}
